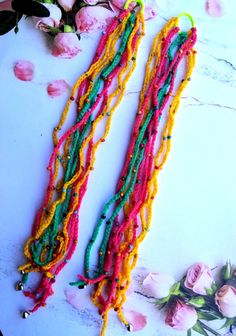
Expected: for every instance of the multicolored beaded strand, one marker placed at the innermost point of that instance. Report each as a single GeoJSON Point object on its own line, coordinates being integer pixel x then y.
{"type": "Point", "coordinates": [127, 214]}
{"type": "Point", "coordinates": [95, 96]}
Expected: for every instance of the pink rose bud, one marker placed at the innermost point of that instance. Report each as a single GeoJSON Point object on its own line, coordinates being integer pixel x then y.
{"type": "Point", "coordinates": [225, 299]}
{"type": "Point", "coordinates": [93, 18]}
{"type": "Point", "coordinates": [227, 271]}
{"type": "Point", "coordinates": [199, 278]}
{"type": "Point", "coordinates": [57, 87]}
{"type": "Point", "coordinates": [24, 70]}
{"type": "Point", "coordinates": [52, 21]}
{"type": "Point", "coordinates": [66, 4]}
{"type": "Point", "coordinates": [66, 45]}
{"type": "Point", "coordinates": [158, 285]}
{"type": "Point", "coordinates": [181, 316]}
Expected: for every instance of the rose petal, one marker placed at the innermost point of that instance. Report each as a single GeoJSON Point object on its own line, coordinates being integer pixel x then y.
{"type": "Point", "coordinates": [149, 12]}
{"type": "Point", "coordinates": [24, 70]}
{"type": "Point", "coordinates": [137, 320]}
{"type": "Point", "coordinates": [72, 298]}
{"type": "Point", "coordinates": [57, 87]}
{"type": "Point", "coordinates": [214, 8]}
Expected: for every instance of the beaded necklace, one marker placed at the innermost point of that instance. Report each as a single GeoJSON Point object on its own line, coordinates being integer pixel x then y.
{"type": "Point", "coordinates": [95, 96]}
{"type": "Point", "coordinates": [127, 215]}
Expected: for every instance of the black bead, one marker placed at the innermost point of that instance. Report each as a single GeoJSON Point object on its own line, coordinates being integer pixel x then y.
{"type": "Point", "coordinates": [19, 286]}
{"type": "Point", "coordinates": [26, 314]}
{"type": "Point", "coordinates": [129, 327]}
{"type": "Point", "coordinates": [103, 216]}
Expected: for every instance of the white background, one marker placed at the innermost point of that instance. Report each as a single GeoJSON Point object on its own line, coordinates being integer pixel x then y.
{"type": "Point", "coordinates": [194, 212]}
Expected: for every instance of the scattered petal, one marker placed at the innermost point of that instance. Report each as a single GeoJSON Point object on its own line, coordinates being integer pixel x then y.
{"type": "Point", "coordinates": [214, 8]}
{"type": "Point", "coordinates": [72, 297]}
{"type": "Point", "coordinates": [137, 320]}
{"type": "Point", "coordinates": [149, 12]}
{"type": "Point", "coordinates": [24, 70]}
{"type": "Point", "coordinates": [57, 87]}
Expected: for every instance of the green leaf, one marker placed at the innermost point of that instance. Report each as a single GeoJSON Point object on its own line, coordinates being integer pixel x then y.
{"type": "Point", "coordinates": [175, 289]}
{"type": "Point", "coordinates": [207, 316]}
{"type": "Point", "coordinates": [198, 328]}
{"type": "Point", "coordinates": [30, 8]}
{"type": "Point", "coordinates": [228, 323]}
{"type": "Point", "coordinates": [8, 20]}
{"type": "Point", "coordinates": [163, 301]}
{"type": "Point", "coordinates": [209, 291]}
{"type": "Point", "coordinates": [197, 301]}
{"type": "Point", "coordinates": [189, 332]}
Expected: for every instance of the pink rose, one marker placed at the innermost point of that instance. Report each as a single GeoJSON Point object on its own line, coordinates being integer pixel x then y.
{"type": "Point", "coordinates": [118, 3]}
{"type": "Point", "coordinates": [24, 70]}
{"type": "Point", "coordinates": [199, 278]}
{"type": "Point", "coordinates": [225, 299]}
{"type": "Point", "coordinates": [66, 4]}
{"type": "Point", "coordinates": [158, 284]}
{"type": "Point", "coordinates": [66, 45]}
{"type": "Point", "coordinates": [52, 21]}
{"type": "Point", "coordinates": [5, 5]}
{"type": "Point", "coordinates": [93, 18]}
{"type": "Point", "coordinates": [181, 316]}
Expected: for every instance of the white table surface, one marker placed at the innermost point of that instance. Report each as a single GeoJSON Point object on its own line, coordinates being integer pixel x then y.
{"type": "Point", "coordinates": [194, 212]}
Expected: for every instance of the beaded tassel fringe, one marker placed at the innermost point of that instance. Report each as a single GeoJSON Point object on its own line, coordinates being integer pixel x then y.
{"type": "Point", "coordinates": [95, 97]}
{"type": "Point", "coordinates": [126, 217]}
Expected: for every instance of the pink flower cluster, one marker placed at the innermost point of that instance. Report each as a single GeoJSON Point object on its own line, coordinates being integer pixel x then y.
{"type": "Point", "coordinates": [184, 299]}
{"type": "Point", "coordinates": [91, 17]}
{"type": "Point", "coordinates": [88, 19]}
